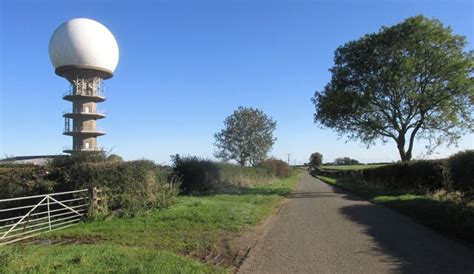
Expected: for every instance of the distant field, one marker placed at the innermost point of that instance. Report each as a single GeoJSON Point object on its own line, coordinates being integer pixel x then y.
{"type": "Point", "coordinates": [352, 167]}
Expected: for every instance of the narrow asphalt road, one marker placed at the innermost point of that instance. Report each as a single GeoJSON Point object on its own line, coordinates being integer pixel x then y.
{"type": "Point", "coordinates": [322, 229]}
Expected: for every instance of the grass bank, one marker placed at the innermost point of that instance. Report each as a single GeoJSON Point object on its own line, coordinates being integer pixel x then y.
{"type": "Point", "coordinates": [440, 213]}
{"type": "Point", "coordinates": [171, 240]}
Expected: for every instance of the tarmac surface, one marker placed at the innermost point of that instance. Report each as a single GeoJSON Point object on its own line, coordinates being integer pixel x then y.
{"type": "Point", "coordinates": [322, 229]}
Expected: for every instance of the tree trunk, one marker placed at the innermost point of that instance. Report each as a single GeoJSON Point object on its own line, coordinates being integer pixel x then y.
{"type": "Point", "coordinates": [412, 138]}
{"type": "Point", "coordinates": [405, 156]}
{"type": "Point", "coordinates": [408, 156]}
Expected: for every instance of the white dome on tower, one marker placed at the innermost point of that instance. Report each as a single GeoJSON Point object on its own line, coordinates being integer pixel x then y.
{"type": "Point", "coordinates": [83, 42]}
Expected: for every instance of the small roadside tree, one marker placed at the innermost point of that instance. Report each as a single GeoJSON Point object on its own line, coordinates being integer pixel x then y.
{"type": "Point", "coordinates": [247, 137]}
{"type": "Point", "coordinates": [316, 160]}
{"type": "Point", "coordinates": [409, 80]}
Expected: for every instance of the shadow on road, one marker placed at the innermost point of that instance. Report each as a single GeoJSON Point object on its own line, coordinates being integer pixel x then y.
{"type": "Point", "coordinates": [298, 195]}
{"type": "Point", "coordinates": [336, 191]}
{"type": "Point", "coordinates": [416, 249]}
{"type": "Point", "coordinates": [412, 247]}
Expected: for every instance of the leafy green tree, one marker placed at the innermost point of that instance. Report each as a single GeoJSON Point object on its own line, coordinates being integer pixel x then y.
{"type": "Point", "coordinates": [316, 159]}
{"type": "Point", "coordinates": [247, 137]}
{"type": "Point", "coordinates": [413, 79]}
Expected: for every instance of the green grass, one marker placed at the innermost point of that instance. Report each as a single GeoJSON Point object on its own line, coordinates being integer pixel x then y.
{"type": "Point", "coordinates": [352, 167]}
{"type": "Point", "coordinates": [97, 258]}
{"type": "Point", "coordinates": [442, 214]}
{"type": "Point", "coordinates": [153, 241]}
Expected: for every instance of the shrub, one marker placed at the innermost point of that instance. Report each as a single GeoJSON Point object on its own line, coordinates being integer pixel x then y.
{"type": "Point", "coordinates": [67, 160]}
{"type": "Point", "coordinates": [24, 180]}
{"type": "Point", "coordinates": [276, 167]}
{"type": "Point", "coordinates": [461, 172]}
{"type": "Point", "coordinates": [130, 186]}
{"type": "Point", "coordinates": [197, 175]}
{"type": "Point", "coordinates": [114, 157]}
{"type": "Point", "coordinates": [19, 180]}
{"type": "Point", "coordinates": [201, 176]}
{"type": "Point", "coordinates": [240, 176]}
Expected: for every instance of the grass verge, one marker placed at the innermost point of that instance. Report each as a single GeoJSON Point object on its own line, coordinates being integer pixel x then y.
{"type": "Point", "coordinates": [444, 215]}
{"type": "Point", "coordinates": [164, 241]}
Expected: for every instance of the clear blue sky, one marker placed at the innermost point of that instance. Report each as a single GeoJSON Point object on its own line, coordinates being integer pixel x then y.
{"type": "Point", "coordinates": [186, 65]}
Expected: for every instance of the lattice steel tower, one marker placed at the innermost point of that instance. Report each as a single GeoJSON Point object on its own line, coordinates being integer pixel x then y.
{"type": "Point", "coordinates": [85, 53]}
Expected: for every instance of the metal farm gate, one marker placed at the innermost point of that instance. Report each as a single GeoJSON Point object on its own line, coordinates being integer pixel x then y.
{"type": "Point", "coordinates": [25, 217]}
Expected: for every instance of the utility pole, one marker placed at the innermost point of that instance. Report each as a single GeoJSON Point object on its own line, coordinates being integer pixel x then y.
{"type": "Point", "coordinates": [288, 154]}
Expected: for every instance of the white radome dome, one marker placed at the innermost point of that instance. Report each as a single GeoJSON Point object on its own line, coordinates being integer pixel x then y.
{"type": "Point", "coordinates": [83, 42]}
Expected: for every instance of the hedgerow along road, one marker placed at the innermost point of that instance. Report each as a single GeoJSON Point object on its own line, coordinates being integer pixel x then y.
{"type": "Point", "coordinates": [322, 229]}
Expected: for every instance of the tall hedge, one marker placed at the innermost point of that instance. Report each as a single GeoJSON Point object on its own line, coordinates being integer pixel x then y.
{"type": "Point", "coordinates": [241, 176]}
{"type": "Point", "coordinates": [417, 176]}
{"type": "Point", "coordinates": [21, 181]}
{"type": "Point", "coordinates": [453, 174]}
{"type": "Point", "coordinates": [461, 172]}
{"type": "Point", "coordinates": [201, 176]}
{"type": "Point", "coordinates": [129, 186]}
{"type": "Point", "coordinates": [197, 175]}
{"type": "Point", "coordinates": [24, 180]}
{"type": "Point", "coordinates": [276, 167]}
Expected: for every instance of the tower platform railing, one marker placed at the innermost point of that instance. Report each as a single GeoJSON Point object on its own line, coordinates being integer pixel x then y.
{"type": "Point", "coordinates": [69, 149]}
{"type": "Point", "coordinates": [82, 129]}
{"type": "Point", "coordinates": [83, 111]}
{"type": "Point", "coordinates": [84, 93]}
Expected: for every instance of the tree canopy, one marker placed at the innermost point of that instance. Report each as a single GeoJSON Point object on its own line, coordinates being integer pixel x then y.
{"type": "Point", "coordinates": [345, 161]}
{"type": "Point", "coordinates": [413, 79]}
{"type": "Point", "coordinates": [247, 137]}
{"type": "Point", "coordinates": [316, 159]}
{"type": "Point", "coordinates": [114, 158]}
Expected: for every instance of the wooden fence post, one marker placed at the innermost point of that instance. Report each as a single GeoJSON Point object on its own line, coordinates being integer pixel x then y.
{"type": "Point", "coordinates": [92, 201]}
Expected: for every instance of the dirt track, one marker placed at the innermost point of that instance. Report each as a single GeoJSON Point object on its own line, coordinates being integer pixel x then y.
{"type": "Point", "coordinates": [322, 229]}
